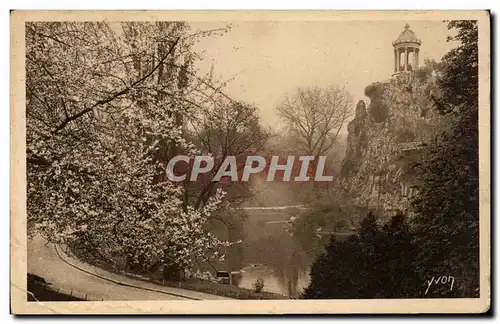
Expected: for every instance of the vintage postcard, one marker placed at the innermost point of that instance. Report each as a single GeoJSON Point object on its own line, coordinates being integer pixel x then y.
{"type": "Point", "coordinates": [250, 162]}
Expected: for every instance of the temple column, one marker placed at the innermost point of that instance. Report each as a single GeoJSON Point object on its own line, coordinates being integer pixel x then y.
{"type": "Point", "coordinates": [399, 60]}
{"type": "Point", "coordinates": [395, 61]}
{"type": "Point", "coordinates": [406, 58]}
{"type": "Point", "coordinates": [416, 57]}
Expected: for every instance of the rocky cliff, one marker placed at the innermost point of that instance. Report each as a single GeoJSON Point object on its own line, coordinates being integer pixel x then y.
{"type": "Point", "coordinates": [384, 139]}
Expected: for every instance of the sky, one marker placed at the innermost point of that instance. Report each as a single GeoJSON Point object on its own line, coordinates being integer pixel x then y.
{"type": "Point", "coordinates": [269, 59]}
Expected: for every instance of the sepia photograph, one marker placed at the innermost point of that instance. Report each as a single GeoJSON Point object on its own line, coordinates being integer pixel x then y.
{"type": "Point", "coordinates": [245, 162]}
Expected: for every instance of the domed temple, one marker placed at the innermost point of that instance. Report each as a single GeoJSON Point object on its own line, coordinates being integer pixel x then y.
{"type": "Point", "coordinates": [406, 50]}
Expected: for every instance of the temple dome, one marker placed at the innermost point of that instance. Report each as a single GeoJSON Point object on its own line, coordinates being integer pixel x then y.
{"type": "Point", "coordinates": [407, 36]}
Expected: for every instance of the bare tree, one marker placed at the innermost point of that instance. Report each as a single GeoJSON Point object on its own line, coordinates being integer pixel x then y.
{"type": "Point", "coordinates": [315, 117]}
{"type": "Point", "coordinates": [226, 129]}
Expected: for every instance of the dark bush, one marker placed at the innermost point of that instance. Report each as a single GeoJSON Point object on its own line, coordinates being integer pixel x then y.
{"type": "Point", "coordinates": [404, 135]}
{"type": "Point", "coordinates": [376, 263]}
{"type": "Point", "coordinates": [374, 90]}
{"type": "Point", "coordinates": [378, 111]}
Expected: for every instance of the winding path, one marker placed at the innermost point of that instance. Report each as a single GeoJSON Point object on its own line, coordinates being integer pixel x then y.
{"type": "Point", "coordinates": [71, 275]}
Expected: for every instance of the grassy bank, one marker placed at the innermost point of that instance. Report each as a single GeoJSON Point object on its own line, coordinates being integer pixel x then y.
{"type": "Point", "coordinates": [194, 284]}
{"type": "Point", "coordinates": [40, 290]}
{"type": "Point", "coordinates": [214, 288]}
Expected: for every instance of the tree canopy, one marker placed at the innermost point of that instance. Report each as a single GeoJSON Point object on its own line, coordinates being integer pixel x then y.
{"type": "Point", "coordinates": [447, 209]}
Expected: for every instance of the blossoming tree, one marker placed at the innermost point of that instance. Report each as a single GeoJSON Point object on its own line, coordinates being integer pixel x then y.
{"type": "Point", "coordinates": [105, 104]}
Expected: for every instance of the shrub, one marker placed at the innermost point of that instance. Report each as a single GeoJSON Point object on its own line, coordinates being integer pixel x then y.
{"type": "Point", "coordinates": [376, 263]}
{"type": "Point", "coordinates": [404, 135]}
{"type": "Point", "coordinates": [374, 90]}
{"type": "Point", "coordinates": [378, 111]}
{"type": "Point", "coordinates": [258, 285]}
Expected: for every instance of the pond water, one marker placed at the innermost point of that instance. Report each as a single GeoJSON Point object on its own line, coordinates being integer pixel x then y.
{"type": "Point", "coordinates": [270, 252]}
{"type": "Point", "coordinates": [274, 281]}
{"type": "Point", "coordinates": [278, 258]}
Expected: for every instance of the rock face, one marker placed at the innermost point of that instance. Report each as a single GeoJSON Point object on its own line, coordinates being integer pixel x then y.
{"type": "Point", "coordinates": [384, 140]}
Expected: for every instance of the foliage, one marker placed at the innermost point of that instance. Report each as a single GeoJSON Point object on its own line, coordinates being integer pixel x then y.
{"type": "Point", "coordinates": [447, 209]}
{"type": "Point", "coordinates": [403, 134]}
{"type": "Point", "coordinates": [459, 81]}
{"type": "Point", "coordinates": [376, 263]}
{"type": "Point", "coordinates": [104, 107]}
{"type": "Point", "coordinates": [424, 72]}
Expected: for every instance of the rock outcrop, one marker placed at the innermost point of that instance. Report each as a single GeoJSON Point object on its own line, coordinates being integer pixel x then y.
{"type": "Point", "coordinates": [385, 139]}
